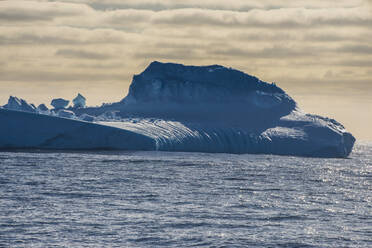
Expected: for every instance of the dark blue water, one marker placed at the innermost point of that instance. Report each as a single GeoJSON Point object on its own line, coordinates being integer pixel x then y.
{"type": "Point", "coordinates": [156, 199]}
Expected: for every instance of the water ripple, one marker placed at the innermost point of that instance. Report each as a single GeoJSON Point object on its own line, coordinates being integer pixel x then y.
{"type": "Point", "coordinates": [155, 199]}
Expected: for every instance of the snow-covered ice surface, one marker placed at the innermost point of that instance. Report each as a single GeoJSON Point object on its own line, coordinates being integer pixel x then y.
{"type": "Point", "coordinates": [192, 109]}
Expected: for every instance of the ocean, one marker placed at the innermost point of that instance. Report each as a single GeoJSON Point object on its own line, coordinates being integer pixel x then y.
{"type": "Point", "coordinates": [164, 199]}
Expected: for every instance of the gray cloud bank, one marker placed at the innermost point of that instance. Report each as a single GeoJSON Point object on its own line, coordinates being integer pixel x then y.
{"type": "Point", "coordinates": [248, 34]}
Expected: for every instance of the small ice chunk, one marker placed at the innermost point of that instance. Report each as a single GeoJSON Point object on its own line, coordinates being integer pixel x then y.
{"type": "Point", "coordinates": [79, 101]}
{"type": "Point", "coordinates": [42, 107]}
{"type": "Point", "coordinates": [59, 103]}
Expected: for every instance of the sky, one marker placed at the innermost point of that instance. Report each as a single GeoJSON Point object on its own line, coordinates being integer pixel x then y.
{"type": "Point", "coordinates": [318, 51]}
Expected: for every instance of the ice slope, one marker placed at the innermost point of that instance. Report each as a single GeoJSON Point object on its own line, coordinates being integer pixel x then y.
{"type": "Point", "coordinates": [296, 134]}
{"type": "Point", "coordinates": [172, 107]}
{"type": "Point", "coordinates": [28, 130]}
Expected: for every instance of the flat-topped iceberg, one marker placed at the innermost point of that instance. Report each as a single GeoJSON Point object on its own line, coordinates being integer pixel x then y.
{"type": "Point", "coordinates": [172, 107]}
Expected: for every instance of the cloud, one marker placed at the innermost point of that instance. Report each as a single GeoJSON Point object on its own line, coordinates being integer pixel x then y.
{"type": "Point", "coordinates": [42, 76]}
{"type": "Point", "coordinates": [270, 52]}
{"type": "Point", "coordinates": [81, 15]}
{"type": "Point", "coordinates": [81, 54]}
{"type": "Point", "coordinates": [26, 11]}
{"type": "Point", "coordinates": [280, 18]}
{"type": "Point", "coordinates": [59, 35]}
{"type": "Point", "coordinates": [361, 49]}
{"type": "Point", "coordinates": [356, 63]}
{"type": "Point", "coordinates": [236, 5]}
{"type": "Point", "coordinates": [169, 54]}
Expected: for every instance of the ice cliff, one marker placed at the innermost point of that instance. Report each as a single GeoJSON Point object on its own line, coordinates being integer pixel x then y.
{"type": "Point", "coordinates": [172, 107]}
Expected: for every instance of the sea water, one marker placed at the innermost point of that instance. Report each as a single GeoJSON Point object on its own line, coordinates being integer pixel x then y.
{"type": "Point", "coordinates": [160, 199]}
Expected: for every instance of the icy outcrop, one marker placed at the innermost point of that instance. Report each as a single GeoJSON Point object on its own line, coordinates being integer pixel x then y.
{"type": "Point", "coordinates": [59, 103]}
{"type": "Point", "coordinates": [79, 101]}
{"type": "Point", "coordinates": [172, 107]}
{"type": "Point", "coordinates": [15, 103]}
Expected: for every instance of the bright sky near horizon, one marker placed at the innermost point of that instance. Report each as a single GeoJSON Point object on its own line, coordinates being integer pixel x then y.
{"type": "Point", "coordinates": [319, 51]}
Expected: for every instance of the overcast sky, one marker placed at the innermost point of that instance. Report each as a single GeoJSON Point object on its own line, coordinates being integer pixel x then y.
{"type": "Point", "coordinates": [319, 51]}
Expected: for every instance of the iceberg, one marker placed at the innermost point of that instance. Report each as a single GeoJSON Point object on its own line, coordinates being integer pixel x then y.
{"type": "Point", "coordinates": [173, 107]}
